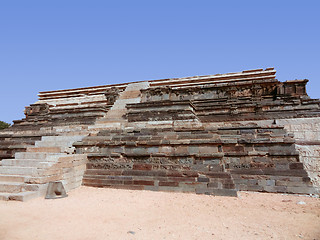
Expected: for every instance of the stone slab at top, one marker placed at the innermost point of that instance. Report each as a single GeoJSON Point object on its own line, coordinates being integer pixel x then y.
{"type": "Point", "coordinates": [247, 75]}
{"type": "Point", "coordinates": [236, 77]}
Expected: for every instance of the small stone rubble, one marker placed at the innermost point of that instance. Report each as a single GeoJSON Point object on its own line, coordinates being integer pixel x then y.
{"type": "Point", "coordinates": [213, 134]}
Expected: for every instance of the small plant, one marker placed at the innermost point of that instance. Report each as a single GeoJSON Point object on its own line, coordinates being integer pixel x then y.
{"type": "Point", "coordinates": [4, 125]}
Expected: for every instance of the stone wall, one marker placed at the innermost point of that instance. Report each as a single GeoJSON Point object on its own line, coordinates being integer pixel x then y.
{"type": "Point", "coordinates": [307, 135]}
{"type": "Point", "coordinates": [188, 160]}
{"type": "Point", "coordinates": [248, 157]}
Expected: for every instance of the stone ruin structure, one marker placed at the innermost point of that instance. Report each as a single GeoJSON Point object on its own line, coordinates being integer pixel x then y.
{"type": "Point", "coordinates": [213, 134]}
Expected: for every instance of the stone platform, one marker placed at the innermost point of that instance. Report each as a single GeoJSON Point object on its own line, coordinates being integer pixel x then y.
{"type": "Point", "coordinates": [213, 134]}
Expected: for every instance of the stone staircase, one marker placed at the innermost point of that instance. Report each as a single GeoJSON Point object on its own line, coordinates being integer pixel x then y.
{"type": "Point", "coordinates": [51, 159]}
{"type": "Point", "coordinates": [114, 118]}
{"type": "Point", "coordinates": [50, 155]}
{"type": "Point", "coordinates": [12, 142]}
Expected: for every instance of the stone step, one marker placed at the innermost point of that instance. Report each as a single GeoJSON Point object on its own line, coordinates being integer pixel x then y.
{"type": "Point", "coordinates": [62, 138]}
{"type": "Point", "coordinates": [113, 119]}
{"type": "Point", "coordinates": [45, 149]}
{"type": "Point", "coordinates": [106, 125]}
{"type": "Point", "coordinates": [26, 163]}
{"type": "Point", "coordinates": [21, 196]}
{"type": "Point", "coordinates": [14, 170]}
{"type": "Point", "coordinates": [50, 158]}
{"type": "Point", "coordinates": [15, 187]}
{"type": "Point", "coordinates": [13, 178]}
{"type": "Point", "coordinates": [4, 146]}
{"type": "Point", "coordinates": [44, 179]}
{"type": "Point", "coordinates": [68, 128]}
{"type": "Point", "coordinates": [37, 155]}
{"type": "Point", "coordinates": [60, 143]}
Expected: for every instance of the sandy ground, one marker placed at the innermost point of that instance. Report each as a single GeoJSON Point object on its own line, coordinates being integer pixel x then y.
{"type": "Point", "coordinates": [93, 213]}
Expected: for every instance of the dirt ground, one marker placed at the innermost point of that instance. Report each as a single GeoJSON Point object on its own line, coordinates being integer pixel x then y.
{"type": "Point", "coordinates": [93, 213]}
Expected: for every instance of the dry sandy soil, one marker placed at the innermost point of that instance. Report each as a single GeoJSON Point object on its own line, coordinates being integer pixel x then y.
{"type": "Point", "coordinates": [93, 213]}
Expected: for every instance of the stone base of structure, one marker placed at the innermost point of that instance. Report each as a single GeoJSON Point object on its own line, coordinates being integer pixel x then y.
{"type": "Point", "coordinates": [212, 134]}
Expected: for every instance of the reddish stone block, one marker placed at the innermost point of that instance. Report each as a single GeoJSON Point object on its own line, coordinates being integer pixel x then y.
{"type": "Point", "coordinates": [142, 166]}
{"type": "Point", "coordinates": [233, 148]}
{"type": "Point", "coordinates": [228, 186]}
{"type": "Point", "coordinates": [143, 182]}
{"type": "Point", "coordinates": [103, 172]}
{"type": "Point", "coordinates": [190, 174]}
{"type": "Point", "coordinates": [227, 181]}
{"type": "Point", "coordinates": [128, 182]}
{"type": "Point", "coordinates": [182, 179]}
{"type": "Point", "coordinates": [218, 175]}
{"type": "Point", "coordinates": [144, 173]}
{"type": "Point", "coordinates": [169, 184]}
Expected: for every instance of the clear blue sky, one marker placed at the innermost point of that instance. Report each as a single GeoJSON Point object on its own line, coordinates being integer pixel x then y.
{"type": "Point", "coordinates": [51, 45]}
